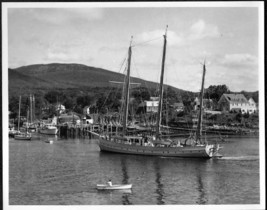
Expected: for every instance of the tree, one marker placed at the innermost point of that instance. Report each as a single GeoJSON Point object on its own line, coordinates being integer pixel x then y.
{"type": "Point", "coordinates": [171, 95]}
{"type": "Point", "coordinates": [83, 101]}
{"type": "Point", "coordinates": [141, 94]}
{"type": "Point", "coordinates": [215, 92]}
{"type": "Point", "coordinates": [238, 117]}
{"type": "Point", "coordinates": [52, 96]}
{"type": "Point", "coordinates": [253, 95]}
{"type": "Point", "coordinates": [69, 102]}
{"type": "Point", "coordinates": [13, 106]}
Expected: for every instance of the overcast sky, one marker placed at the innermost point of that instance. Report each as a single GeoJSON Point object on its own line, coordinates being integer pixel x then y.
{"type": "Point", "coordinates": [227, 37]}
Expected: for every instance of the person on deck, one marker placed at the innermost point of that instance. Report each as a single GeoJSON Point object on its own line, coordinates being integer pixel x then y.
{"type": "Point", "coordinates": [109, 183]}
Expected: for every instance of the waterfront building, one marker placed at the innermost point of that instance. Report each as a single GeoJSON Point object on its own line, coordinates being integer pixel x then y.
{"type": "Point", "coordinates": [237, 103]}
{"type": "Point", "coordinates": [70, 118]}
{"type": "Point", "coordinates": [150, 106]}
{"type": "Point", "coordinates": [87, 119]}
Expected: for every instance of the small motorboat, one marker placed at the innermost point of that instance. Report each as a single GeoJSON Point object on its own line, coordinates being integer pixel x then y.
{"type": "Point", "coordinates": [113, 187]}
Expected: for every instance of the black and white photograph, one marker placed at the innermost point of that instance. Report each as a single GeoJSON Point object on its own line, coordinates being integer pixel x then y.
{"type": "Point", "coordinates": [148, 104]}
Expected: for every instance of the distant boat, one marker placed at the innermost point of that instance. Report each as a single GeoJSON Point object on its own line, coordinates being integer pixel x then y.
{"type": "Point", "coordinates": [155, 145]}
{"type": "Point", "coordinates": [114, 187]}
{"type": "Point", "coordinates": [22, 136]}
{"type": "Point", "coordinates": [48, 129]}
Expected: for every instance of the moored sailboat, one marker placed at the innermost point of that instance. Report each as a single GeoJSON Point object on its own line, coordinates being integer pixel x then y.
{"type": "Point", "coordinates": [154, 145]}
{"type": "Point", "coordinates": [22, 136]}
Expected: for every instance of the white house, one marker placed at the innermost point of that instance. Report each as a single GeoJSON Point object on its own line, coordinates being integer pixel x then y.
{"type": "Point", "coordinates": [237, 102]}
{"type": "Point", "coordinates": [87, 119]}
{"type": "Point", "coordinates": [151, 105]}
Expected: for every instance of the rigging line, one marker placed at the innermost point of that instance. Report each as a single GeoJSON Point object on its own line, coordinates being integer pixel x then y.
{"type": "Point", "coordinates": [142, 43]}
{"type": "Point", "coordinates": [111, 88]}
{"type": "Point", "coordinates": [122, 63]}
{"type": "Point", "coordinates": [106, 99]}
{"type": "Point", "coordinates": [140, 77]}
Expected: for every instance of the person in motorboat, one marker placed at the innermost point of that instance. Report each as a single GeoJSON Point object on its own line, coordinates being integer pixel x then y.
{"type": "Point", "coordinates": [109, 183]}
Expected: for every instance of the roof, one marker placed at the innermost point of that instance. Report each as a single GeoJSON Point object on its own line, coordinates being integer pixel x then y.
{"type": "Point", "coordinates": [235, 98]}
{"type": "Point", "coordinates": [149, 103]}
{"type": "Point", "coordinates": [154, 98]}
{"type": "Point", "coordinates": [251, 100]}
{"type": "Point", "coordinates": [69, 117]}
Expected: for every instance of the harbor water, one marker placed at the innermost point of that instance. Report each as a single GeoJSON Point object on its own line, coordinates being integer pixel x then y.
{"type": "Point", "coordinates": [67, 171]}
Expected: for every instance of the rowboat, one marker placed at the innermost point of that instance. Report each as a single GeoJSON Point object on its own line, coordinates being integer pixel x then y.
{"type": "Point", "coordinates": [113, 187]}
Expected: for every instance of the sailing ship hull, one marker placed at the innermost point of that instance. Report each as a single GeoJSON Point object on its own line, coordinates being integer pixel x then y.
{"type": "Point", "coordinates": [202, 151]}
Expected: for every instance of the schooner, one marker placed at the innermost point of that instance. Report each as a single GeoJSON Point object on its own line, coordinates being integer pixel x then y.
{"type": "Point", "coordinates": [154, 145]}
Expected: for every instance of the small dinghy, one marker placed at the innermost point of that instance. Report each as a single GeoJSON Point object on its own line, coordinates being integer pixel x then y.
{"type": "Point", "coordinates": [113, 187]}
{"type": "Point", "coordinates": [49, 141]}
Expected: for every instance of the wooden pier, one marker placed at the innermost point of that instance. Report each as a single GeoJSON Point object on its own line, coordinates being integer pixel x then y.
{"type": "Point", "coordinates": [85, 131]}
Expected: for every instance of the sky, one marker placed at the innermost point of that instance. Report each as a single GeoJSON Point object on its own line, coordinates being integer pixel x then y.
{"type": "Point", "coordinates": [97, 35]}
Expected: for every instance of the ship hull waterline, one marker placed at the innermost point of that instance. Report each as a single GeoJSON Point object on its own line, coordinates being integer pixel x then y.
{"type": "Point", "coordinates": [185, 152]}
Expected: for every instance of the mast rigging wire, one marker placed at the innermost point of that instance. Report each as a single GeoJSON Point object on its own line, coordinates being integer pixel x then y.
{"type": "Point", "coordinates": [143, 43]}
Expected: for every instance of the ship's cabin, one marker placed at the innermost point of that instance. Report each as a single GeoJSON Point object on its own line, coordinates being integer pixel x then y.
{"type": "Point", "coordinates": [131, 140]}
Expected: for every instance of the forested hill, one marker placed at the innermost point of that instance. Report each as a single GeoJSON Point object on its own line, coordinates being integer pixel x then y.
{"type": "Point", "coordinates": [64, 76]}
{"type": "Point", "coordinates": [42, 78]}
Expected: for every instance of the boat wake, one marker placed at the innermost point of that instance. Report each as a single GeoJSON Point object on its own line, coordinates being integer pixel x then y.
{"type": "Point", "coordinates": [241, 158]}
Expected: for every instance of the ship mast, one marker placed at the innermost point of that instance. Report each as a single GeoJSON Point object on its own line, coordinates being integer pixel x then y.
{"type": "Point", "coordinates": [200, 116]}
{"type": "Point", "coordinates": [159, 115]}
{"type": "Point", "coordinates": [127, 91]}
{"type": "Point", "coordinates": [19, 112]}
{"type": "Point", "coordinates": [31, 108]}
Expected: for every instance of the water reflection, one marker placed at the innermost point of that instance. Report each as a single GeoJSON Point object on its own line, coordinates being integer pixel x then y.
{"type": "Point", "coordinates": [58, 173]}
{"type": "Point", "coordinates": [125, 179]}
{"type": "Point", "coordinates": [202, 195]}
{"type": "Point", "coordinates": [200, 186]}
{"type": "Point", "coordinates": [125, 176]}
{"type": "Point", "coordinates": [159, 189]}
